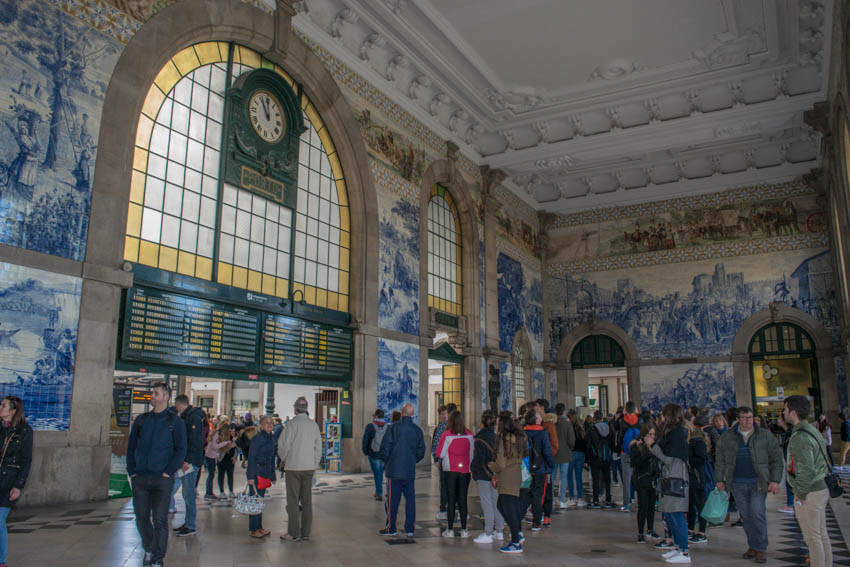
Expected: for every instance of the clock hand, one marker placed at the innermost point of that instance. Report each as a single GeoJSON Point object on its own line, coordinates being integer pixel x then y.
{"type": "Point", "coordinates": [266, 108]}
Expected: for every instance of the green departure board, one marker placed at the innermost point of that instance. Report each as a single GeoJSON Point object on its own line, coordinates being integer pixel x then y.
{"type": "Point", "coordinates": [165, 328]}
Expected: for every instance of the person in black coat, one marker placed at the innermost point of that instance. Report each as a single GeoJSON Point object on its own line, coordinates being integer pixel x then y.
{"type": "Point", "coordinates": [16, 443]}
{"type": "Point", "coordinates": [261, 461]}
{"type": "Point", "coordinates": [645, 471]}
{"type": "Point", "coordinates": [698, 455]}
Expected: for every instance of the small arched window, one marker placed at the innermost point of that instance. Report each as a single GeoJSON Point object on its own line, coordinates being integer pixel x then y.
{"type": "Point", "coordinates": [519, 376]}
{"type": "Point", "coordinates": [445, 279]}
{"type": "Point", "coordinates": [183, 218]}
{"type": "Point", "coordinates": [781, 339]}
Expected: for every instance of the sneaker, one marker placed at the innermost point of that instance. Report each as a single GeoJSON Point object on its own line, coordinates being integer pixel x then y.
{"type": "Point", "coordinates": [653, 535]}
{"type": "Point", "coordinates": [232, 496]}
{"type": "Point", "coordinates": [498, 536]}
{"type": "Point", "coordinates": [387, 532]}
{"type": "Point", "coordinates": [172, 510]}
{"type": "Point", "coordinates": [409, 535]}
{"type": "Point", "coordinates": [562, 505]}
{"type": "Point", "coordinates": [305, 538]}
{"type": "Point", "coordinates": [547, 522]}
{"type": "Point", "coordinates": [664, 545]}
{"type": "Point", "coordinates": [698, 538]}
{"type": "Point", "coordinates": [148, 558]}
{"type": "Point", "coordinates": [156, 564]}
{"type": "Point", "coordinates": [625, 508]}
{"type": "Point", "coordinates": [448, 533]}
{"type": "Point", "coordinates": [511, 548]}
{"type": "Point", "coordinates": [181, 528]}
{"type": "Point", "coordinates": [679, 558]}
{"type": "Point", "coordinates": [786, 509]}
{"type": "Point", "coordinates": [483, 537]}
{"type": "Point", "coordinates": [594, 506]}
{"type": "Point", "coordinates": [641, 538]}
{"type": "Point", "coordinates": [738, 524]}
{"type": "Point", "coordinates": [441, 515]}
{"type": "Point", "coordinates": [521, 538]}
{"type": "Point", "coordinates": [464, 534]}
{"type": "Point", "coordinates": [609, 505]}
{"type": "Point", "coordinates": [378, 497]}
{"type": "Point", "coordinates": [185, 532]}
{"type": "Point", "coordinates": [670, 553]}
{"type": "Point", "coordinates": [536, 529]}
{"type": "Point", "coordinates": [210, 497]}
{"type": "Point", "coordinates": [581, 503]}
{"type": "Point", "coordinates": [571, 503]}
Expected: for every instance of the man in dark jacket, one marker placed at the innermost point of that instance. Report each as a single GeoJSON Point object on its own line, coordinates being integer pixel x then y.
{"type": "Point", "coordinates": [600, 443]}
{"type": "Point", "coordinates": [845, 436]}
{"type": "Point", "coordinates": [155, 450]}
{"type": "Point", "coordinates": [193, 419]}
{"type": "Point", "coordinates": [402, 447]}
{"type": "Point", "coordinates": [749, 462]}
{"type": "Point", "coordinates": [540, 464]}
{"type": "Point", "coordinates": [372, 438]}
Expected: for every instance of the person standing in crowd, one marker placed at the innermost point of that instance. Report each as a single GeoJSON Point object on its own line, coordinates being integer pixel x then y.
{"type": "Point", "coordinates": [714, 430]}
{"type": "Point", "coordinates": [541, 407]}
{"type": "Point", "coordinates": [219, 442]}
{"type": "Point", "coordinates": [783, 431]}
{"type": "Point", "coordinates": [260, 472]}
{"type": "Point", "coordinates": [646, 469]}
{"type": "Point", "coordinates": [155, 450]}
{"type": "Point", "coordinates": [826, 430]}
{"type": "Point", "coordinates": [672, 451]}
{"type": "Point", "coordinates": [300, 450]}
{"type": "Point", "coordinates": [402, 447]}
{"type": "Point", "coordinates": [16, 439]}
{"type": "Point", "coordinates": [628, 431]}
{"type": "Point", "coordinates": [599, 445]}
{"type": "Point", "coordinates": [485, 440]}
{"type": "Point", "coordinates": [697, 460]}
{"type": "Point", "coordinates": [396, 416]}
{"type": "Point", "coordinates": [276, 432]}
{"type": "Point", "coordinates": [507, 467]}
{"type": "Point", "coordinates": [575, 472]}
{"type": "Point", "coordinates": [444, 412]}
{"type": "Point", "coordinates": [193, 420]}
{"type": "Point", "coordinates": [845, 436]}
{"type": "Point", "coordinates": [243, 441]}
{"type": "Point", "coordinates": [564, 454]}
{"type": "Point", "coordinates": [372, 438]}
{"type": "Point", "coordinates": [227, 460]}
{"type": "Point", "coordinates": [540, 465]}
{"type": "Point", "coordinates": [455, 449]}
{"type": "Point", "coordinates": [806, 467]}
{"type": "Point", "coordinates": [749, 461]}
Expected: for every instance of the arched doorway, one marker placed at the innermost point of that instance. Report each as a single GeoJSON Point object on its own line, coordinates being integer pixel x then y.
{"type": "Point", "coordinates": [599, 369]}
{"type": "Point", "coordinates": [782, 363]}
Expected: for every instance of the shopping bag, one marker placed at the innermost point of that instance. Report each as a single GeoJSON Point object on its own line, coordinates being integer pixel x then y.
{"type": "Point", "coordinates": [249, 504]}
{"type": "Point", "coordinates": [715, 507]}
{"type": "Point", "coordinates": [526, 474]}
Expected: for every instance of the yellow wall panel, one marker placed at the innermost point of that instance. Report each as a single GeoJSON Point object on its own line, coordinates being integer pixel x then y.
{"type": "Point", "coordinates": [167, 78]}
{"type": "Point", "coordinates": [134, 220]}
{"type": "Point", "coordinates": [131, 249]}
{"type": "Point", "coordinates": [203, 268]}
{"type": "Point", "coordinates": [268, 284]}
{"type": "Point", "coordinates": [152, 102]}
{"type": "Point", "coordinates": [240, 277]}
{"type": "Point", "coordinates": [168, 258]}
{"type": "Point", "coordinates": [225, 273]}
{"type": "Point", "coordinates": [140, 160]}
{"type": "Point", "coordinates": [343, 303]}
{"type": "Point", "coordinates": [148, 253]}
{"type": "Point", "coordinates": [186, 263]}
{"type": "Point", "coordinates": [255, 280]}
{"type": "Point", "coordinates": [208, 53]}
{"type": "Point", "coordinates": [282, 287]}
{"type": "Point", "coordinates": [186, 61]}
{"type": "Point", "coordinates": [143, 132]}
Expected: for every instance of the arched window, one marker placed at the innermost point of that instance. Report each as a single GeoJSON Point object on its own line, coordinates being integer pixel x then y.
{"type": "Point", "coordinates": [782, 363]}
{"type": "Point", "coordinates": [183, 218]}
{"type": "Point", "coordinates": [445, 279]}
{"type": "Point", "coordinates": [597, 350]}
{"type": "Point", "coordinates": [519, 377]}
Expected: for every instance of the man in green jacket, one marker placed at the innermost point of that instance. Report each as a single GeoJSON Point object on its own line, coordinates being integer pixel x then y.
{"type": "Point", "coordinates": [749, 461]}
{"type": "Point", "coordinates": [806, 467]}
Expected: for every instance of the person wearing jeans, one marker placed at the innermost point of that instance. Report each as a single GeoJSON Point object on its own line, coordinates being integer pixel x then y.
{"type": "Point", "coordinates": [372, 438]}
{"type": "Point", "coordinates": [630, 434]}
{"type": "Point", "coordinates": [485, 441]}
{"type": "Point", "coordinates": [749, 460]}
{"type": "Point", "coordinates": [564, 454]}
{"type": "Point", "coordinates": [261, 471]}
{"type": "Point", "coordinates": [16, 438]}
{"type": "Point", "coordinates": [196, 432]}
{"type": "Point", "coordinates": [806, 467]}
{"type": "Point", "coordinates": [575, 471]}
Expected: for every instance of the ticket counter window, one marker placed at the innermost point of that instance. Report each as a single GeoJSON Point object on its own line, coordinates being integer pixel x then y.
{"type": "Point", "coordinates": [782, 364]}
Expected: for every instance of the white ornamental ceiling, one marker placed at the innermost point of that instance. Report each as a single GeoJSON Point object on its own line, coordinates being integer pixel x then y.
{"type": "Point", "coordinates": [594, 103]}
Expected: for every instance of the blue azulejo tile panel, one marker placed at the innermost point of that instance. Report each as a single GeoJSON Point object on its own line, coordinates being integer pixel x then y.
{"type": "Point", "coordinates": [39, 313]}
{"type": "Point", "coordinates": [553, 387]}
{"type": "Point", "coordinates": [705, 385]}
{"type": "Point", "coordinates": [694, 308]}
{"type": "Point", "coordinates": [398, 302]}
{"type": "Point", "coordinates": [398, 376]}
{"type": "Point", "coordinates": [520, 304]}
{"type": "Point", "coordinates": [841, 381]}
{"type": "Point", "coordinates": [539, 384]}
{"type": "Point", "coordinates": [55, 73]}
{"type": "Point", "coordinates": [506, 377]}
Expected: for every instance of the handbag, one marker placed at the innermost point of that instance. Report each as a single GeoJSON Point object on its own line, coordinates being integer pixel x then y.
{"type": "Point", "coordinates": [263, 482]}
{"type": "Point", "coordinates": [674, 487]}
{"type": "Point", "coordinates": [716, 506]}
{"type": "Point", "coordinates": [249, 504]}
{"type": "Point", "coordinates": [832, 480]}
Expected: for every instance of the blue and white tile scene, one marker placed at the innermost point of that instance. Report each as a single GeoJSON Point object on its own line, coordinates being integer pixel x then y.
{"type": "Point", "coordinates": [539, 384]}
{"type": "Point", "coordinates": [56, 70]}
{"type": "Point", "coordinates": [39, 314]}
{"type": "Point", "coordinates": [520, 304]}
{"type": "Point", "coordinates": [693, 308]}
{"type": "Point", "coordinates": [398, 376]}
{"type": "Point", "coordinates": [506, 379]}
{"type": "Point", "coordinates": [709, 385]}
{"type": "Point", "coordinates": [398, 302]}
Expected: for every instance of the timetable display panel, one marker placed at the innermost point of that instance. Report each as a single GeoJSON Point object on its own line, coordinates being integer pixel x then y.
{"type": "Point", "coordinates": [178, 329]}
{"type": "Point", "coordinates": [295, 346]}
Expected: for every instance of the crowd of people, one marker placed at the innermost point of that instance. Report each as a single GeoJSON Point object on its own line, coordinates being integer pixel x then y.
{"type": "Point", "coordinates": [667, 463]}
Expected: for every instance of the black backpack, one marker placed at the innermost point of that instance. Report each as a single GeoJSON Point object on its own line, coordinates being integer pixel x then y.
{"type": "Point", "coordinates": [144, 417]}
{"type": "Point", "coordinates": [535, 456]}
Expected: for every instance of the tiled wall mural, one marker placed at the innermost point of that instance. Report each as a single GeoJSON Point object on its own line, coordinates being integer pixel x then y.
{"type": "Point", "coordinates": [398, 302]}
{"type": "Point", "coordinates": [39, 313]}
{"type": "Point", "coordinates": [56, 70]}
{"type": "Point", "coordinates": [507, 390]}
{"type": "Point", "coordinates": [398, 376]}
{"type": "Point", "coordinates": [539, 384]}
{"type": "Point", "coordinates": [841, 381]}
{"type": "Point", "coordinates": [520, 304]}
{"type": "Point", "coordinates": [705, 385]}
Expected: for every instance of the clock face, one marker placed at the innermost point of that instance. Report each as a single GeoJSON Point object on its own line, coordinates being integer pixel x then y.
{"type": "Point", "coordinates": [266, 116]}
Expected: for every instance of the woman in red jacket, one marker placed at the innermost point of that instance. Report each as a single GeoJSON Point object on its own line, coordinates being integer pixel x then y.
{"type": "Point", "coordinates": [455, 449]}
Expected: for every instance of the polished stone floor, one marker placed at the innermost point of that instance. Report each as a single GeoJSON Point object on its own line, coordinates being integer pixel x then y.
{"type": "Point", "coordinates": [346, 521]}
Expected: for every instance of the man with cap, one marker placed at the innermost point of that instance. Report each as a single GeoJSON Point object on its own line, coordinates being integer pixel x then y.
{"type": "Point", "coordinates": [300, 450]}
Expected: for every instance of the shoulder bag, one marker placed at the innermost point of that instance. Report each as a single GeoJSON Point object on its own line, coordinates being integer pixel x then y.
{"type": "Point", "coordinates": [832, 480]}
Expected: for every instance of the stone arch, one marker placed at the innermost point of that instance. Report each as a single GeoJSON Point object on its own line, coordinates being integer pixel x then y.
{"type": "Point", "coordinates": [446, 173]}
{"type": "Point", "coordinates": [594, 326]}
{"type": "Point", "coordinates": [192, 21]}
{"type": "Point", "coordinates": [824, 353]}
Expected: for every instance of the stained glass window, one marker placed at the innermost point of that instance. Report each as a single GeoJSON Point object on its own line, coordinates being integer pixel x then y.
{"type": "Point", "coordinates": [445, 280]}
{"type": "Point", "coordinates": [180, 211]}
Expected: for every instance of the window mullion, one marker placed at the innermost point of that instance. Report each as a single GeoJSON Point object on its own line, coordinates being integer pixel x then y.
{"type": "Point", "coordinates": [221, 156]}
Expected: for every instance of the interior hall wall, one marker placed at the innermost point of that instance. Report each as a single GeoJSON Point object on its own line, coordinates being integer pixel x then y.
{"type": "Point", "coordinates": [680, 277]}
